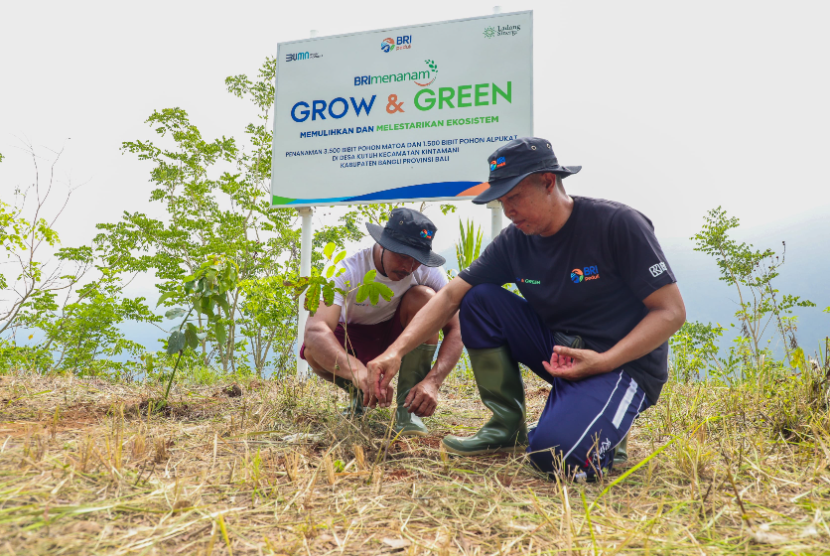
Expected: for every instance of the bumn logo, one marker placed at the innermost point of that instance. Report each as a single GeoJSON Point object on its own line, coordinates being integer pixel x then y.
{"type": "Point", "coordinates": [298, 56]}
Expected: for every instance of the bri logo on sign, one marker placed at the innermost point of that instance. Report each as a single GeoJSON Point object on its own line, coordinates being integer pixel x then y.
{"type": "Point", "coordinates": [400, 43]}
{"type": "Point", "coordinates": [498, 163]}
{"type": "Point", "coordinates": [587, 273]}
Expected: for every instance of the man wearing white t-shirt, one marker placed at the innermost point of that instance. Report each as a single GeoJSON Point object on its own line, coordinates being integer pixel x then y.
{"type": "Point", "coordinates": [405, 262]}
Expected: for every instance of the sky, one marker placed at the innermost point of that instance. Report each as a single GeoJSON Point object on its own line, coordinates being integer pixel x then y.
{"type": "Point", "coordinates": [672, 108]}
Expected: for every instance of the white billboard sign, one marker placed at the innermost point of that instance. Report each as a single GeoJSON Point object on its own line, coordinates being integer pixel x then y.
{"type": "Point", "coordinates": [400, 114]}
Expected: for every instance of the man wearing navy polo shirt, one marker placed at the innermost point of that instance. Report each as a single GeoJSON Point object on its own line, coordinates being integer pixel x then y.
{"type": "Point", "coordinates": [598, 304]}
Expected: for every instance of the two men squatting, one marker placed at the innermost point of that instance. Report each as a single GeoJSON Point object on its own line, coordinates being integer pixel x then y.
{"type": "Point", "coordinates": [598, 304]}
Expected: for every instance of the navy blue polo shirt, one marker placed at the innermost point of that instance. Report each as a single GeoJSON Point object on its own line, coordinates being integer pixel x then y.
{"type": "Point", "coordinates": [589, 278]}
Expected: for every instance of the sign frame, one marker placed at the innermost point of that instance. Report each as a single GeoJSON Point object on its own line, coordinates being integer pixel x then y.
{"type": "Point", "coordinates": [378, 197]}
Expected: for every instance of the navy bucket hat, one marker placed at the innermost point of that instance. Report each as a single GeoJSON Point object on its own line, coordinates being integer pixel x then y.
{"type": "Point", "coordinates": [516, 160]}
{"type": "Point", "coordinates": [408, 232]}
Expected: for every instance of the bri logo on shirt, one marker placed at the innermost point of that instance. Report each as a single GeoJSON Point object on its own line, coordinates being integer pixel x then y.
{"type": "Point", "coordinates": [587, 273]}
{"type": "Point", "coordinates": [658, 269]}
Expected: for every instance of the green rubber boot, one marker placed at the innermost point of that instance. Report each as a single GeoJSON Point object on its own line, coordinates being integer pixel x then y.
{"type": "Point", "coordinates": [621, 451]}
{"type": "Point", "coordinates": [355, 408]}
{"type": "Point", "coordinates": [415, 365]}
{"type": "Point", "coordinates": [502, 391]}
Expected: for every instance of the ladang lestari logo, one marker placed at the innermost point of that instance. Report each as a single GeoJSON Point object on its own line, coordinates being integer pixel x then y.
{"type": "Point", "coordinates": [422, 78]}
{"type": "Point", "coordinates": [404, 42]}
{"type": "Point", "coordinates": [582, 274]}
{"type": "Point", "coordinates": [492, 32]}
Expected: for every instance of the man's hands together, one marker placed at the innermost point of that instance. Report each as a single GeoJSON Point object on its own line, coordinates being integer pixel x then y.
{"type": "Point", "coordinates": [363, 380]}
{"type": "Point", "coordinates": [381, 370]}
{"type": "Point", "coordinates": [575, 364]}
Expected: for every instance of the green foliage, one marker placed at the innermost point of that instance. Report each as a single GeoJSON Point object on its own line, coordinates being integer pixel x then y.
{"type": "Point", "coordinates": [319, 286]}
{"type": "Point", "coordinates": [323, 286]}
{"type": "Point", "coordinates": [268, 321]}
{"type": "Point", "coordinates": [372, 289]}
{"type": "Point", "coordinates": [210, 209]}
{"type": "Point", "coordinates": [14, 356]}
{"type": "Point", "coordinates": [694, 351]}
{"type": "Point", "coordinates": [468, 248]}
{"type": "Point", "coordinates": [751, 272]}
{"type": "Point", "coordinates": [209, 292]}
{"type": "Point", "coordinates": [41, 282]}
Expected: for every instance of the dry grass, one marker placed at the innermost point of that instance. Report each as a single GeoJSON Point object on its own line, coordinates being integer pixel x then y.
{"type": "Point", "coordinates": [85, 470]}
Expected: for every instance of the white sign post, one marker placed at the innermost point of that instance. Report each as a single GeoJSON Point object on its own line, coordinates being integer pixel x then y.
{"type": "Point", "coordinates": [405, 114]}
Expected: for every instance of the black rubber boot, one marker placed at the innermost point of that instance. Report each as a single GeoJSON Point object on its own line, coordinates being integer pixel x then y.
{"type": "Point", "coordinates": [502, 391]}
{"type": "Point", "coordinates": [355, 408]}
{"type": "Point", "coordinates": [415, 365]}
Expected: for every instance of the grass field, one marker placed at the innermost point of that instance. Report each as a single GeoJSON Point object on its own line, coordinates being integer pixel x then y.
{"type": "Point", "coordinates": [276, 470]}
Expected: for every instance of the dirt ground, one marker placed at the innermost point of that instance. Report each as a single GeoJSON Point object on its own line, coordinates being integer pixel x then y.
{"type": "Point", "coordinates": [274, 468]}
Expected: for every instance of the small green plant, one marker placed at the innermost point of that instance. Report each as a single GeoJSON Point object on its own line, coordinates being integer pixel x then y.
{"type": "Point", "coordinates": [208, 291]}
{"type": "Point", "coordinates": [323, 286]}
{"type": "Point", "coordinates": [694, 352]}
{"type": "Point", "coordinates": [751, 272]}
{"type": "Point", "coordinates": [317, 286]}
{"type": "Point", "coordinates": [469, 248]}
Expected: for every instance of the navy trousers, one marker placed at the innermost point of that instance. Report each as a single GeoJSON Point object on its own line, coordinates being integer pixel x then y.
{"type": "Point", "coordinates": [584, 420]}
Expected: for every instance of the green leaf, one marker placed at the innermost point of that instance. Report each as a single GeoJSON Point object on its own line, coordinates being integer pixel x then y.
{"type": "Point", "coordinates": [221, 335]}
{"type": "Point", "coordinates": [329, 272]}
{"type": "Point", "coordinates": [205, 307]}
{"type": "Point", "coordinates": [312, 298]}
{"type": "Point", "coordinates": [340, 256]}
{"type": "Point", "coordinates": [175, 343]}
{"type": "Point", "coordinates": [175, 313]}
{"type": "Point", "coordinates": [222, 301]}
{"type": "Point", "coordinates": [328, 295]}
{"type": "Point", "coordinates": [374, 291]}
{"type": "Point", "coordinates": [165, 296]}
{"type": "Point", "coordinates": [385, 291]}
{"type": "Point", "coordinates": [329, 250]}
{"type": "Point", "coordinates": [369, 277]}
{"type": "Point", "coordinates": [190, 336]}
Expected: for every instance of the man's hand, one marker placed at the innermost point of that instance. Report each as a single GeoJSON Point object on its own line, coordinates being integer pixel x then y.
{"type": "Point", "coordinates": [423, 398]}
{"type": "Point", "coordinates": [575, 364]}
{"type": "Point", "coordinates": [361, 378]}
{"type": "Point", "coordinates": [382, 369]}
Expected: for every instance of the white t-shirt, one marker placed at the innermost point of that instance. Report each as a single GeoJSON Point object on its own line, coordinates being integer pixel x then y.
{"type": "Point", "coordinates": [365, 313]}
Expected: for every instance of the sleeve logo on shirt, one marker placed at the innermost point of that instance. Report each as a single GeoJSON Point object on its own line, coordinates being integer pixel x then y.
{"type": "Point", "coordinates": [658, 269]}
{"type": "Point", "coordinates": [527, 281]}
{"type": "Point", "coordinates": [587, 273]}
